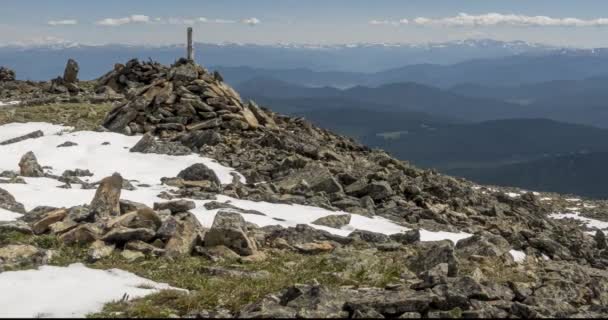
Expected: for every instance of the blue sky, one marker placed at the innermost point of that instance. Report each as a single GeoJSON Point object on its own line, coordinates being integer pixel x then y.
{"type": "Point", "coordinates": [561, 22]}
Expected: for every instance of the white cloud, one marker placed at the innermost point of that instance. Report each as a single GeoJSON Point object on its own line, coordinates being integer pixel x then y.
{"type": "Point", "coordinates": [135, 18]}
{"type": "Point", "coordinates": [66, 22]}
{"type": "Point", "coordinates": [496, 19]}
{"type": "Point", "coordinates": [222, 21]}
{"type": "Point", "coordinates": [515, 20]}
{"type": "Point", "coordinates": [173, 20]}
{"type": "Point", "coordinates": [251, 21]}
{"type": "Point", "coordinates": [389, 22]}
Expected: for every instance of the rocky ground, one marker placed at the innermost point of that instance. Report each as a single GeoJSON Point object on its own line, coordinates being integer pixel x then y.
{"type": "Point", "coordinates": [292, 220]}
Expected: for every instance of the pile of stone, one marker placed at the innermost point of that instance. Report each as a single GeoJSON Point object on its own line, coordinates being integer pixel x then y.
{"type": "Point", "coordinates": [6, 74]}
{"type": "Point", "coordinates": [182, 101]}
{"type": "Point", "coordinates": [131, 75]}
{"type": "Point", "coordinates": [68, 84]}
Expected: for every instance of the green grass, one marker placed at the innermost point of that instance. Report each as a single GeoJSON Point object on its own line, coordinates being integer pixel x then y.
{"type": "Point", "coordinates": [82, 116]}
{"type": "Point", "coordinates": [207, 292]}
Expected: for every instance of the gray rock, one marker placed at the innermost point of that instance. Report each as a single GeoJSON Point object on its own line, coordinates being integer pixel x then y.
{"type": "Point", "coordinates": [229, 229]}
{"type": "Point", "coordinates": [176, 206]}
{"type": "Point", "coordinates": [333, 221]}
{"type": "Point", "coordinates": [70, 74]}
{"type": "Point", "coordinates": [120, 235]}
{"type": "Point", "coordinates": [106, 201]}
{"type": "Point", "coordinates": [199, 172]}
{"type": "Point", "coordinates": [149, 144]}
{"type": "Point", "coordinates": [32, 135]}
{"type": "Point", "coordinates": [29, 166]}
{"type": "Point", "coordinates": [8, 202]}
{"type": "Point", "coordinates": [430, 254]}
{"type": "Point", "coordinates": [22, 256]}
{"type": "Point", "coordinates": [483, 244]}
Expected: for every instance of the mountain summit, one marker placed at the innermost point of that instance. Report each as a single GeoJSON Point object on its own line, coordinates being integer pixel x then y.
{"type": "Point", "coordinates": [221, 196]}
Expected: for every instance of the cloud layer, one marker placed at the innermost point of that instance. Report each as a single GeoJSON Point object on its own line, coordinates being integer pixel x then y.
{"type": "Point", "coordinates": [138, 18]}
{"type": "Point", "coordinates": [66, 22]}
{"type": "Point", "coordinates": [135, 18]}
{"type": "Point", "coordinates": [495, 19]}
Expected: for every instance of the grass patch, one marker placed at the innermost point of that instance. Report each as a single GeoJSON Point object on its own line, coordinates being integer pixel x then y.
{"type": "Point", "coordinates": [210, 292]}
{"type": "Point", "coordinates": [232, 293]}
{"type": "Point", "coordinates": [82, 116]}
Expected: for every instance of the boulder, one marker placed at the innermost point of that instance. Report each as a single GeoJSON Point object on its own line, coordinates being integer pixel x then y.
{"type": "Point", "coordinates": [188, 233]}
{"type": "Point", "coordinates": [21, 256]}
{"type": "Point", "coordinates": [313, 176]}
{"type": "Point", "coordinates": [70, 74]}
{"type": "Point", "coordinates": [106, 201]}
{"type": "Point", "coordinates": [6, 74]}
{"type": "Point", "coordinates": [482, 244]}
{"type": "Point", "coordinates": [31, 135]}
{"type": "Point", "coordinates": [230, 229]}
{"type": "Point", "coordinates": [41, 226]}
{"type": "Point", "coordinates": [99, 250]}
{"type": "Point", "coordinates": [29, 166]}
{"type": "Point", "coordinates": [199, 172]}
{"type": "Point", "coordinates": [176, 206]}
{"type": "Point", "coordinates": [141, 218]}
{"type": "Point", "coordinates": [15, 226]}
{"type": "Point", "coordinates": [430, 254]}
{"type": "Point", "coordinates": [149, 144]}
{"type": "Point", "coordinates": [377, 190]}
{"type": "Point", "coordinates": [8, 202]}
{"type": "Point", "coordinates": [333, 221]}
{"type": "Point", "coordinates": [121, 235]}
{"type": "Point", "coordinates": [82, 234]}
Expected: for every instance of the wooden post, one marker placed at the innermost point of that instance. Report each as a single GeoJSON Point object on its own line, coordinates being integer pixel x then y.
{"type": "Point", "coordinates": [190, 47]}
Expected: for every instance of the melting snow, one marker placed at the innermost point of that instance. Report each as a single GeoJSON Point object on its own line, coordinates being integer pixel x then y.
{"type": "Point", "coordinates": [103, 160]}
{"type": "Point", "coordinates": [590, 223]}
{"type": "Point", "coordinates": [513, 194]}
{"type": "Point", "coordinates": [6, 215]}
{"type": "Point", "coordinates": [573, 199]}
{"type": "Point", "coordinates": [9, 103]}
{"type": "Point", "coordinates": [73, 291]}
{"type": "Point", "coordinates": [76, 290]}
{"type": "Point", "coordinates": [518, 256]}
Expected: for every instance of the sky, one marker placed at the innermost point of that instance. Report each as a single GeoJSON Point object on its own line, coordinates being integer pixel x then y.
{"type": "Point", "coordinates": [580, 23]}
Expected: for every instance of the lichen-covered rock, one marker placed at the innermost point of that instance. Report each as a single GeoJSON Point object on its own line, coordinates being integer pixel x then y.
{"type": "Point", "coordinates": [333, 221]}
{"type": "Point", "coordinates": [106, 202]}
{"type": "Point", "coordinates": [199, 172]}
{"type": "Point", "coordinates": [29, 166]}
{"type": "Point", "coordinates": [8, 202]}
{"type": "Point", "coordinates": [22, 256]}
{"type": "Point", "coordinates": [229, 229]}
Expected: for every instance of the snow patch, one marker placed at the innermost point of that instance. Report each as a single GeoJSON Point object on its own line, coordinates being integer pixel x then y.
{"type": "Point", "coordinates": [14, 130]}
{"type": "Point", "coordinates": [9, 103]}
{"type": "Point", "coordinates": [6, 215]}
{"type": "Point", "coordinates": [590, 223]}
{"type": "Point", "coordinates": [72, 291]}
{"type": "Point", "coordinates": [103, 160]}
{"type": "Point", "coordinates": [518, 255]}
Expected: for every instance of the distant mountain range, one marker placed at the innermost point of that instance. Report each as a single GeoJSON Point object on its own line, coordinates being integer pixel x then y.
{"type": "Point", "coordinates": [459, 134]}
{"type": "Point", "coordinates": [580, 174]}
{"type": "Point", "coordinates": [574, 101]}
{"type": "Point", "coordinates": [42, 61]}
{"type": "Point", "coordinates": [506, 71]}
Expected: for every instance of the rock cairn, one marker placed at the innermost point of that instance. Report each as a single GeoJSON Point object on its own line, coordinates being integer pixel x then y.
{"type": "Point", "coordinates": [185, 98]}
{"type": "Point", "coordinates": [6, 74]}
{"type": "Point", "coordinates": [69, 82]}
{"type": "Point", "coordinates": [131, 75]}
